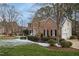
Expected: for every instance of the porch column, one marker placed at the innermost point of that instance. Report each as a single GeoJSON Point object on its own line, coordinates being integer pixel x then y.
{"type": "Point", "coordinates": [45, 32]}
{"type": "Point", "coordinates": [53, 32]}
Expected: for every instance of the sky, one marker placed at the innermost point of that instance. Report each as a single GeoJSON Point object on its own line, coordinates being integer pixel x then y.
{"type": "Point", "coordinates": [27, 10]}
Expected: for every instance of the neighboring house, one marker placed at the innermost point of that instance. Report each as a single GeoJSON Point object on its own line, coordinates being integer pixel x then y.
{"type": "Point", "coordinates": [48, 27]}
{"type": "Point", "coordinates": [9, 28]}
{"type": "Point", "coordinates": [66, 28]}
{"type": "Point", "coordinates": [1, 29]}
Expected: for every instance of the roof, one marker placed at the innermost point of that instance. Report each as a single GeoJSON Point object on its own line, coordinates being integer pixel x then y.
{"type": "Point", "coordinates": [63, 21]}
{"type": "Point", "coordinates": [45, 19]}
{"type": "Point", "coordinates": [8, 23]}
{"type": "Point", "coordinates": [50, 18]}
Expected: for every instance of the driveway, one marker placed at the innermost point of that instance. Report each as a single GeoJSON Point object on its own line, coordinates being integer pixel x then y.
{"type": "Point", "coordinates": [75, 43]}
{"type": "Point", "coordinates": [15, 42]}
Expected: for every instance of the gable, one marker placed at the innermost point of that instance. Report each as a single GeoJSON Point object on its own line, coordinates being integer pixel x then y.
{"type": "Point", "coordinates": [65, 20]}
{"type": "Point", "coordinates": [48, 23]}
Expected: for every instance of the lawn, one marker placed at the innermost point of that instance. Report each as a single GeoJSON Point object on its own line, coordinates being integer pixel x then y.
{"type": "Point", "coordinates": [5, 37]}
{"type": "Point", "coordinates": [36, 50]}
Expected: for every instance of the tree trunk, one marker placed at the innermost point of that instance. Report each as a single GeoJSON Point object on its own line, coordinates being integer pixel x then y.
{"type": "Point", "coordinates": [75, 22]}
{"type": "Point", "coordinates": [58, 23]}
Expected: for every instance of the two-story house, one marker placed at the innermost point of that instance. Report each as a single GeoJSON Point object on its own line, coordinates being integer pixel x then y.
{"type": "Point", "coordinates": [66, 28]}
{"type": "Point", "coordinates": [48, 27]}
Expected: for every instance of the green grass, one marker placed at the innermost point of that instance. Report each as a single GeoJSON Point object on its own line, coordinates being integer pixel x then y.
{"type": "Point", "coordinates": [4, 37]}
{"type": "Point", "coordinates": [34, 50]}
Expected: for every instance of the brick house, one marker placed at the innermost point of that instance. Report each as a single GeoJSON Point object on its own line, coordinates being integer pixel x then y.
{"type": "Point", "coordinates": [10, 28]}
{"type": "Point", "coordinates": [46, 26]}
{"type": "Point", "coordinates": [1, 29]}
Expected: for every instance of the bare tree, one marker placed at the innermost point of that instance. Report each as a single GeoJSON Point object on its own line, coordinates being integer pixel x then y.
{"type": "Point", "coordinates": [3, 10]}
{"type": "Point", "coordinates": [9, 15]}
{"type": "Point", "coordinates": [13, 16]}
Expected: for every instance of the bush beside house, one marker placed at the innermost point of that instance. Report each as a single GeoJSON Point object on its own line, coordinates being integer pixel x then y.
{"type": "Point", "coordinates": [74, 37]}
{"type": "Point", "coordinates": [26, 32]}
{"type": "Point", "coordinates": [45, 39]}
{"type": "Point", "coordinates": [33, 38]}
{"type": "Point", "coordinates": [65, 44]}
{"type": "Point", "coordinates": [38, 39]}
{"type": "Point", "coordinates": [23, 37]}
{"type": "Point", "coordinates": [62, 42]}
{"type": "Point", "coordinates": [51, 41]}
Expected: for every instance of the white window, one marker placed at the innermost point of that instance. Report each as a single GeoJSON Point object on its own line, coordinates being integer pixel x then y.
{"type": "Point", "coordinates": [68, 23]}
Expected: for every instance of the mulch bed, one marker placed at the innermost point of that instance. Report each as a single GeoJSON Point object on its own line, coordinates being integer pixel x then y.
{"type": "Point", "coordinates": [62, 49]}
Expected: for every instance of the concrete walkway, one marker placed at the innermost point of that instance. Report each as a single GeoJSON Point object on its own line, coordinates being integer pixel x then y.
{"type": "Point", "coordinates": [75, 43]}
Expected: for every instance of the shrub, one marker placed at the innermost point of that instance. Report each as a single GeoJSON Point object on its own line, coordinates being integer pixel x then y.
{"type": "Point", "coordinates": [61, 40]}
{"type": "Point", "coordinates": [73, 37]}
{"type": "Point", "coordinates": [45, 39]}
{"type": "Point", "coordinates": [26, 32]}
{"type": "Point", "coordinates": [23, 37]}
{"type": "Point", "coordinates": [54, 38]}
{"type": "Point", "coordinates": [33, 38]}
{"type": "Point", "coordinates": [52, 42]}
{"type": "Point", "coordinates": [65, 44]}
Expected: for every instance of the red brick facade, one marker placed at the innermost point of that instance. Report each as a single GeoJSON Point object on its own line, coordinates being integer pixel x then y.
{"type": "Point", "coordinates": [46, 26]}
